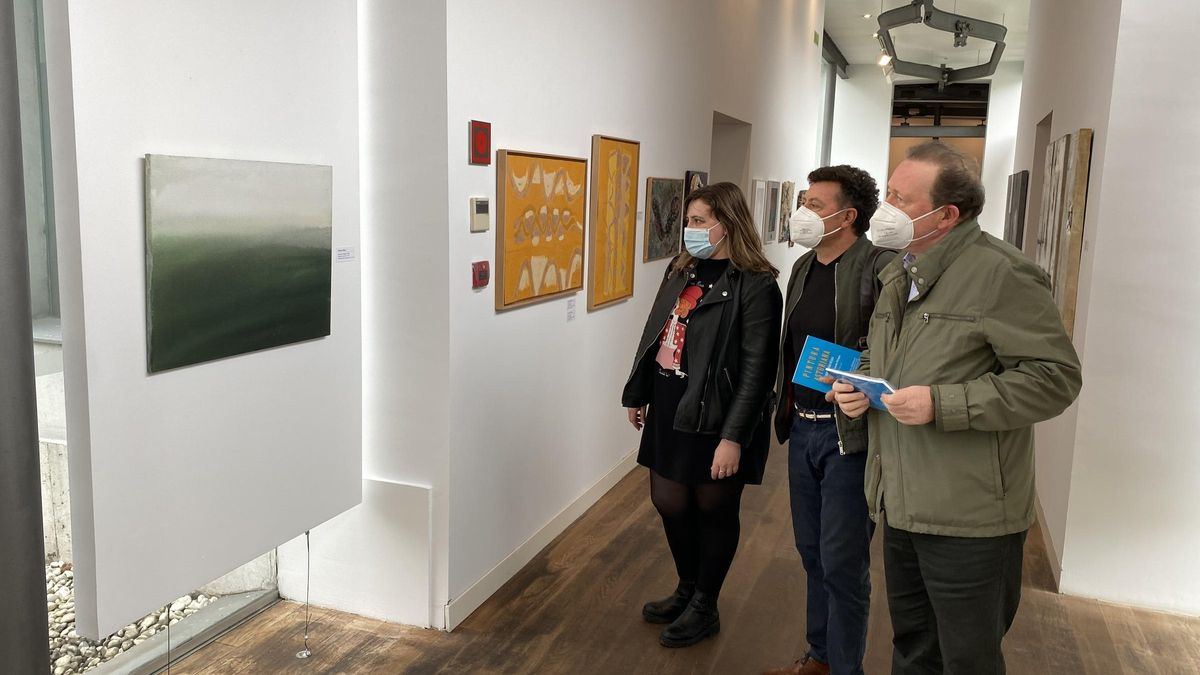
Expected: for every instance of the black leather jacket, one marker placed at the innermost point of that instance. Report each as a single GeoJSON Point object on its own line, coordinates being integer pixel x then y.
{"type": "Point", "coordinates": [732, 350]}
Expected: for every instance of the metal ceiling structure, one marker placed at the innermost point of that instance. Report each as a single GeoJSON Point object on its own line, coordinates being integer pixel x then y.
{"type": "Point", "coordinates": [963, 27]}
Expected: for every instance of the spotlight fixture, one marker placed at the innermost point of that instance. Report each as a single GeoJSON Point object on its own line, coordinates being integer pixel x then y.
{"type": "Point", "coordinates": [884, 58]}
{"type": "Point", "coordinates": [866, 16]}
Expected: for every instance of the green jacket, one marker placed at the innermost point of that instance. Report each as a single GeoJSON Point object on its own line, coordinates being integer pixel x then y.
{"type": "Point", "coordinates": [985, 334]}
{"type": "Point", "coordinates": [850, 330]}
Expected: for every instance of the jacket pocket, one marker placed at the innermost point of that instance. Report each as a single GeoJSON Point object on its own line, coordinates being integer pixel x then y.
{"type": "Point", "coordinates": [874, 478]}
{"type": "Point", "coordinates": [1001, 490]}
{"type": "Point", "coordinates": [953, 333]}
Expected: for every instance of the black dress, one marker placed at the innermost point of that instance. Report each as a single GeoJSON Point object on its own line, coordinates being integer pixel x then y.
{"type": "Point", "coordinates": [679, 455]}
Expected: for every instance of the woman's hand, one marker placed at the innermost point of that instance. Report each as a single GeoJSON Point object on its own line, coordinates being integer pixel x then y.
{"type": "Point", "coordinates": [726, 459]}
{"type": "Point", "coordinates": [637, 417]}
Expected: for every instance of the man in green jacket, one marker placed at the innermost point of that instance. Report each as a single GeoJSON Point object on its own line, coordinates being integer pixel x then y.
{"type": "Point", "coordinates": [967, 332]}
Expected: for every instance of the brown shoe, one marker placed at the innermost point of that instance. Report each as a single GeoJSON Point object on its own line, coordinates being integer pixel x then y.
{"type": "Point", "coordinates": [805, 666]}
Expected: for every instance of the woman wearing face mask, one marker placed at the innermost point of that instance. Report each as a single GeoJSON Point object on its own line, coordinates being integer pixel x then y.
{"type": "Point", "coordinates": [701, 387]}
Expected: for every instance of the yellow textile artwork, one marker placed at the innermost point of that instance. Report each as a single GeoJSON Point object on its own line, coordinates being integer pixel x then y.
{"type": "Point", "coordinates": [614, 219]}
{"type": "Point", "coordinates": [540, 227]}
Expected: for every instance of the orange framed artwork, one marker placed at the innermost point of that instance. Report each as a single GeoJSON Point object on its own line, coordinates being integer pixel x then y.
{"type": "Point", "coordinates": [614, 220]}
{"type": "Point", "coordinates": [539, 226]}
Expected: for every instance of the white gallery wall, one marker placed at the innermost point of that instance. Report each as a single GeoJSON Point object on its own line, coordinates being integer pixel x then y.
{"type": "Point", "coordinates": [862, 121]}
{"type": "Point", "coordinates": [537, 431]}
{"type": "Point", "coordinates": [179, 477]}
{"type": "Point", "coordinates": [1127, 489]}
{"type": "Point", "coordinates": [862, 117]}
{"type": "Point", "coordinates": [999, 150]}
{"type": "Point", "coordinates": [388, 558]}
{"type": "Point", "coordinates": [1074, 84]}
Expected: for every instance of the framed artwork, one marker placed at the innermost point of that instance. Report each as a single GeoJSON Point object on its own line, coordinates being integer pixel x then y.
{"type": "Point", "coordinates": [238, 257]}
{"type": "Point", "coordinates": [539, 226]}
{"type": "Point", "coordinates": [774, 204]}
{"type": "Point", "coordinates": [758, 203]}
{"type": "Point", "coordinates": [1050, 219]}
{"type": "Point", "coordinates": [785, 210]}
{"type": "Point", "coordinates": [800, 194]}
{"type": "Point", "coordinates": [664, 218]}
{"type": "Point", "coordinates": [693, 180]}
{"type": "Point", "coordinates": [1070, 245]}
{"type": "Point", "coordinates": [614, 220]}
{"type": "Point", "coordinates": [1014, 211]}
{"type": "Point", "coordinates": [480, 143]}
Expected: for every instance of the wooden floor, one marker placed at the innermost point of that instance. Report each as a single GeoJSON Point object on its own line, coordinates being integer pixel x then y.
{"type": "Point", "coordinates": [576, 609]}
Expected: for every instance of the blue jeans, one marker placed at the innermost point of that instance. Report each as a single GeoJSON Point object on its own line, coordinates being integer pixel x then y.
{"type": "Point", "coordinates": [833, 534]}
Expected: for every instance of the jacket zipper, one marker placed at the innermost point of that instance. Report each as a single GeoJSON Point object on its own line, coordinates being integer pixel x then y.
{"type": "Point", "coordinates": [841, 447]}
{"type": "Point", "coordinates": [949, 317]}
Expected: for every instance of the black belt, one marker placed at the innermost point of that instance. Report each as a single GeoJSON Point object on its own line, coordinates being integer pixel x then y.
{"type": "Point", "coordinates": [813, 415]}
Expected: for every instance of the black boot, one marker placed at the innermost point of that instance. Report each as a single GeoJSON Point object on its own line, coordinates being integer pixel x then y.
{"type": "Point", "coordinates": [668, 609]}
{"type": "Point", "coordinates": [697, 622]}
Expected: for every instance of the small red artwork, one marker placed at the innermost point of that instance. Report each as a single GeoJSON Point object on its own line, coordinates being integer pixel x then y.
{"type": "Point", "coordinates": [481, 143]}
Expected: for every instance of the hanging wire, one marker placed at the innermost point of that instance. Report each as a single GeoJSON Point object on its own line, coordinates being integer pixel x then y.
{"type": "Point", "coordinates": [168, 608]}
{"type": "Point", "coordinates": [306, 652]}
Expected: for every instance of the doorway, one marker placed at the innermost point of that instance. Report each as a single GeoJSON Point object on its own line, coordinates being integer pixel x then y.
{"type": "Point", "coordinates": [956, 116]}
{"type": "Point", "coordinates": [730, 160]}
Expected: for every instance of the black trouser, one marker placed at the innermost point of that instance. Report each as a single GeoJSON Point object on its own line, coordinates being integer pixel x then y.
{"type": "Point", "coordinates": [702, 526]}
{"type": "Point", "coordinates": [951, 600]}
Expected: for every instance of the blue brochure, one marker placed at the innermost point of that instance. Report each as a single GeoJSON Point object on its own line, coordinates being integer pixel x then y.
{"type": "Point", "coordinates": [873, 387]}
{"type": "Point", "coordinates": [816, 356]}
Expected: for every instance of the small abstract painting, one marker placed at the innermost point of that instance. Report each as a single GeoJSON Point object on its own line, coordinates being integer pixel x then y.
{"type": "Point", "coordinates": [1070, 246]}
{"type": "Point", "coordinates": [1051, 214]}
{"type": "Point", "coordinates": [785, 210]}
{"type": "Point", "coordinates": [614, 219]}
{"type": "Point", "coordinates": [664, 211]}
{"type": "Point", "coordinates": [758, 204]}
{"type": "Point", "coordinates": [480, 143]}
{"type": "Point", "coordinates": [691, 181]}
{"type": "Point", "coordinates": [800, 195]}
{"type": "Point", "coordinates": [1014, 211]}
{"type": "Point", "coordinates": [238, 257]}
{"type": "Point", "coordinates": [774, 207]}
{"type": "Point", "coordinates": [542, 200]}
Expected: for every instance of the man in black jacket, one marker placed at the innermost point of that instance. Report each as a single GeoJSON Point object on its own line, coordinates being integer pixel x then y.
{"type": "Point", "coordinates": [830, 296]}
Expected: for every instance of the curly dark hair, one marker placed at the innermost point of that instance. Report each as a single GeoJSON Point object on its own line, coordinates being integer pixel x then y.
{"type": "Point", "coordinates": [858, 191]}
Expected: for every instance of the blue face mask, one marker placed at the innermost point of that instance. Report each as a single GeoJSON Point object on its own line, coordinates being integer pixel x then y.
{"type": "Point", "coordinates": [695, 239]}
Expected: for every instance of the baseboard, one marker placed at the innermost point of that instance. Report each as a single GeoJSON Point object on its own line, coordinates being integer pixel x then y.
{"type": "Point", "coordinates": [458, 609]}
{"type": "Point", "coordinates": [1051, 552]}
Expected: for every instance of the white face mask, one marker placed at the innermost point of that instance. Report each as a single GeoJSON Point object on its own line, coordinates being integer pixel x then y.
{"type": "Point", "coordinates": [808, 228]}
{"type": "Point", "coordinates": [894, 229]}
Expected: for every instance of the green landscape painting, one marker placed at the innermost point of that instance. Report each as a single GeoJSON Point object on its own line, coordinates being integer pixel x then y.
{"type": "Point", "coordinates": [238, 257]}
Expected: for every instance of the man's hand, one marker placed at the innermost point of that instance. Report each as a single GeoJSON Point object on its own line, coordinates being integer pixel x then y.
{"type": "Point", "coordinates": [726, 460]}
{"type": "Point", "coordinates": [637, 417]}
{"type": "Point", "coordinates": [910, 405]}
{"type": "Point", "coordinates": [852, 402]}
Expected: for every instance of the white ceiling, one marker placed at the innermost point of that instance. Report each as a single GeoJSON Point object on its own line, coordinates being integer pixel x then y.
{"type": "Point", "coordinates": [918, 43]}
